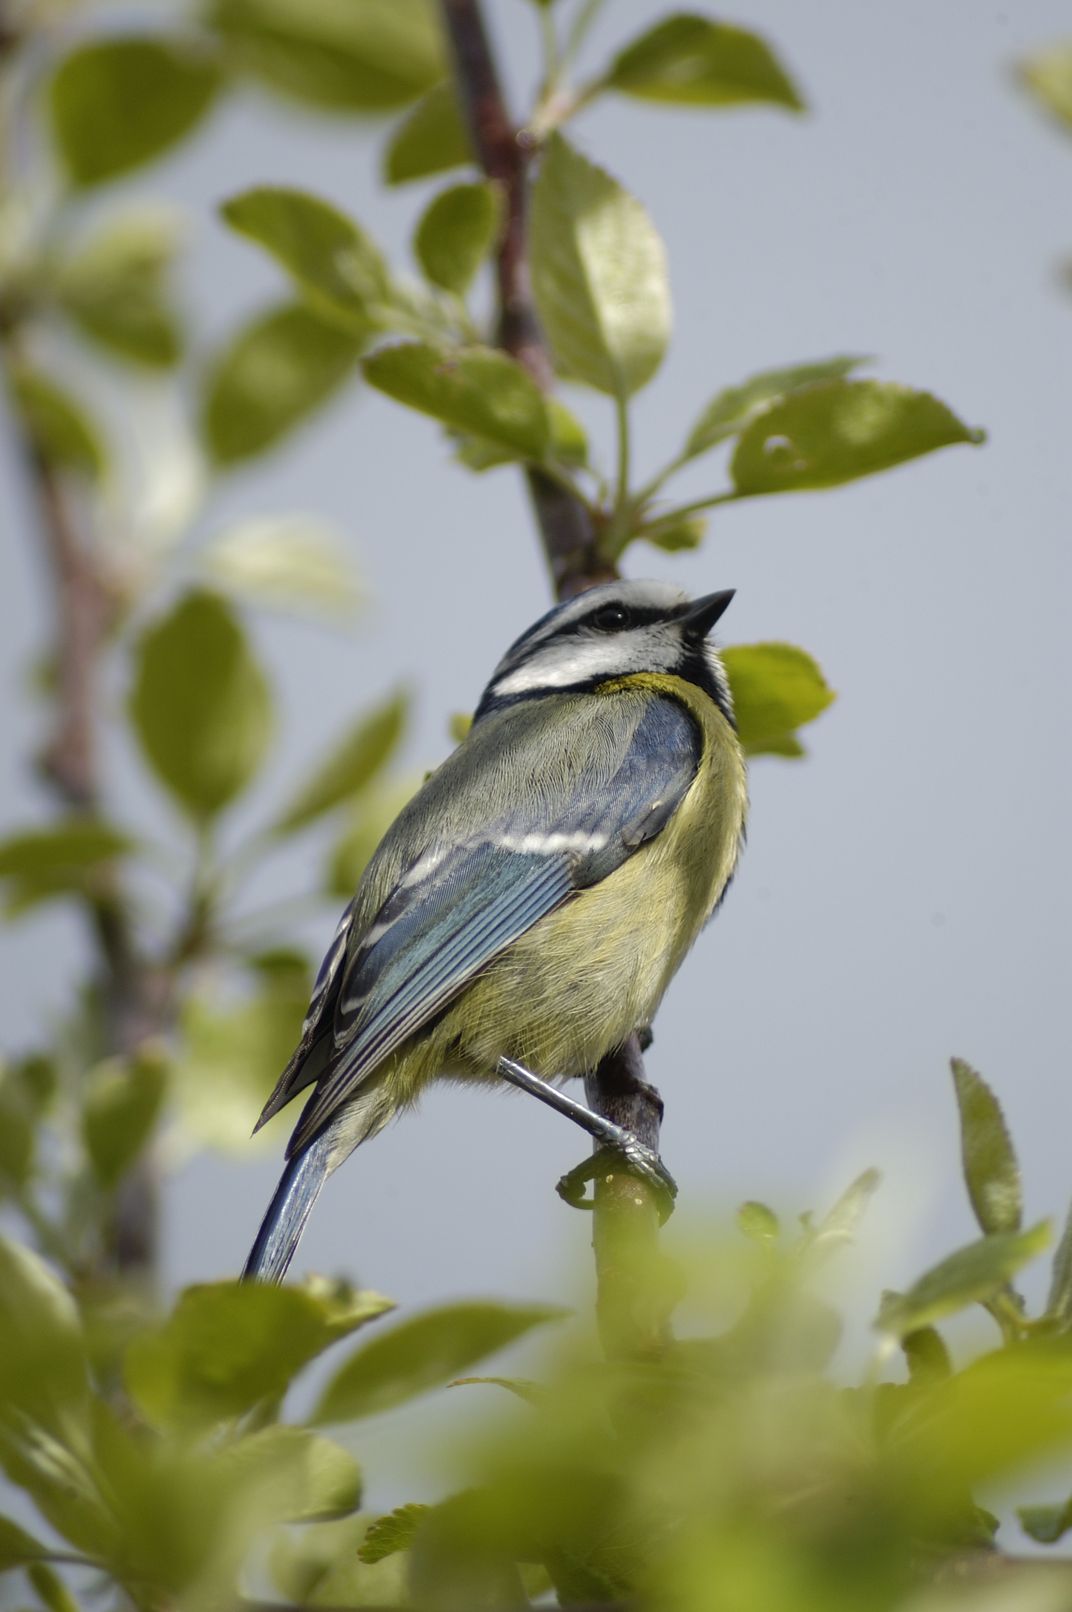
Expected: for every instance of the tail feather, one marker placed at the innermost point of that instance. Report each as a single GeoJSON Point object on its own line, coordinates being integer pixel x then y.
{"type": "Point", "coordinates": [282, 1226]}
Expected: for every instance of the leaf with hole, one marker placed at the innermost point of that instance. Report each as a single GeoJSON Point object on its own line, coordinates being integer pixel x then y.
{"type": "Point", "coordinates": [730, 410]}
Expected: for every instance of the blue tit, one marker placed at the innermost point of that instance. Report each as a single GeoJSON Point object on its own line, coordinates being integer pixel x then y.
{"type": "Point", "coordinates": [527, 909]}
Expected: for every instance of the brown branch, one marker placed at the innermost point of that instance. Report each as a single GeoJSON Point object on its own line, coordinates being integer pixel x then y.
{"type": "Point", "coordinates": [625, 1219]}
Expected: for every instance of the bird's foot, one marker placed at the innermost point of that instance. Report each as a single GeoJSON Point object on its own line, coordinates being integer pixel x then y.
{"type": "Point", "coordinates": [638, 1159]}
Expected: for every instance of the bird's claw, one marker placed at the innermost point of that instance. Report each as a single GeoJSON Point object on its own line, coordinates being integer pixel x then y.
{"type": "Point", "coordinates": [639, 1159]}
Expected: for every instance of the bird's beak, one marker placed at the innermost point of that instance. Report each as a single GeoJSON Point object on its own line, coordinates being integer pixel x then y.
{"type": "Point", "coordinates": [702, 614]}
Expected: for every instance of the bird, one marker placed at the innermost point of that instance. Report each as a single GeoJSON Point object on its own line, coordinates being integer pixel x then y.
{"type": "Point", "coordinates": [525, 912]}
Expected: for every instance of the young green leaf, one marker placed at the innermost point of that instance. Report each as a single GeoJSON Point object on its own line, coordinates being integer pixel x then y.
{"type": "Point", "coordinates": [673, 535]}
{"type": "Point", "coordinates": [422, 1353]}
{"type": "Point", "coordinates": [841, 1223]}
{"type": "Point", "coordinates": [475, 390]}
{"type": "Point", "coordinates": [456, 232]}
{"type": "Point", "coordinates": [1048, 76]}
{"type": "Point", "coordinates": [51, 1591]}
{"type": "Point", "coordinates": [353, 763]}
{"type": "Point", "coordinates": [200, 705]}
{"type": "Point", "coordinates": [431, 139]}
{"type": "Point", "coordinates": [55, 861]}
{"type": "Point", "coordinates": [42, 1350]}
{"type": "Point", "coordinates": [228, 1345]}
{"type": "Point", "coordinates": [991, 1172]}
{"type": "Point", "coordinates": [117, 103]}
{"type": "Point", "coordinates": [598, 274]}
{"type": "Point", "coordinates": [776, 689]}
{"type": "Point", "coordinates": [758, 1222]}
{"type": "Point", "coordinates": [121, 1104]}
{"type": "Point", "coordinates": [1059, 1302]}
{"type": "Point", "coordinates": [690, 60]}
{"type": "Point", "coordinates": [1046, 1524]}
{"type": "Point", "coordinates": [835, 431]}
{"type": "Point", "coordinates": [112, 289]}
{"type": "Point", "coordinates": [344, 57]}
{"type": "Point", "coordinates": [283, 366]}
{"type": "Point", "coordinates": [730, 410]}
{"type": "Point", "coordinates": [292, 563]}
{"type": "Point", "coordinates": [394, 1532]}
{"type": "Point", "coordinates": [927, 1356]}
{"type": "Point", "coordinates": [61, 429]}
{"type": "Point", "coordinates": [334, 263]}
{"type": "Point", "coordinates": [971, 1275]}
{"type": "Point", "coordinates": [17, 1547]}
{"type": "Point", "coordinates": [17, 1132]}
{"type": "Point", "coordinates": [292, 1475]}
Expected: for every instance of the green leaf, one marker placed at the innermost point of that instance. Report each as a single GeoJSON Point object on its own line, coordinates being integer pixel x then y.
{"type": "Point", "coordinates": [776, 688]}
{"type": "Point", "coordinates": [456, 232]}
{"type": "Point", "coordinates": [121, 1103]}
{"type": "Point", "coordinates": [927, 1356]}
{"type": "Point", "coordinates": [1059, 1302]}
{"type": "Point", "coordinates": [17, 1547]}
{"type": "Point", "coordinates": [338, 55]}
{"type": "Point", "coordinates": [475, 390]}
{"type": "Point", "coordinates": [228, 1345]}
{"type": "Point", "coordinates": [113, 289]}
{"type": "Point", "coordinates": [758, 1222]}
{"type": "Point", "coordinates": [1046, 1524]}
{"type": "Point", "coordinates": [678, 533]}
{"type": "Point", "coordinates": [42, 1354]}
{"type": "Point", "coordinates": [392, 1533]}
{"type": "Point", "coordinates": [598, 274]}
{"type": "Point", "coordinates": [52, 1592]}
{"type": "Point", "coordinates": [991, 1172]}
{"type": "Point", "coordinates": [423, 1353]}
{"type": "Point", "coordinates": [431, 139]}
{"type": "Point", "coordinates": [333, 261]}
{"type": "Point", "coordinates": [17, 1130]}
{"type": "Point", "coordinates": [973, 1274]}
{"type": "Point", "coordinates": [117, 103]}
{"type": "Point", "coordinates": [690, 60]}
{"type": "Point", "coordinates": [1048, 75]}
{"type": "Point", "coordinates": [841, 1223]}
{"type": "Point", "coordinates": [200, 705]}
{"type": "Point", "coordinates": [352, 764]}
{"type": "Point", "coordinates": [61, 430]}
{"type": "Point", "coordinates": [293, 563]}
{"type": "Point", "coordinates": [64, 859]}
{"type": "Point", "coordinates": [318, 1566]}
{"type": "Point", "coordinates": [730, 410]}
{"type": "Point", "coordinates": [291, 1475]}
{"type": "Point", "coordinates": [276, 372]}
{"type": "Point", "coordinates": [835, 431]}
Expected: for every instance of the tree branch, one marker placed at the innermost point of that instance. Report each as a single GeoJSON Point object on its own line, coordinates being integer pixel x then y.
{"type": "Point", "coordinates": [626, 1218]}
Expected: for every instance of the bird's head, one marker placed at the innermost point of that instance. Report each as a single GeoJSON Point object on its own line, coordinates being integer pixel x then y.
{"type": "Point", "coordinates": [614, 630]}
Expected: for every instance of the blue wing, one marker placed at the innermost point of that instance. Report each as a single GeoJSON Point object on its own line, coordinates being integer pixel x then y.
{"type": "Point", "coordinates": [453, 909]}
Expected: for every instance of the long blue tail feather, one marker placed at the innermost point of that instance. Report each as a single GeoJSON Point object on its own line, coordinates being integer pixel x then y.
{"type": "Point", "coordinates": [282, 1226]}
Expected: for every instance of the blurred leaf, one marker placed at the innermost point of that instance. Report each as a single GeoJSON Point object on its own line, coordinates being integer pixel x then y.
{"type": "Point", "coordinates": [42, 1359]}
{"type": "Point", "coordinates": [431, 139]}
{"type": "Point", "coordinates": [62, 859]}
{"type": "Point", "coordinates": [422, 1353]}
{"type": "Point", "coordinates": [364, 829]}
{"type": "Point", "coordinates": [1048, 75]}
{"type": "Point", "coordinates": [293, 563]}
{"type": "Point", "coordinates": [691, 60]}
{"type": "Point", "coordinates": [113, 289]}
{"type": "Point", "coordinates": [456, 232]}
{"type": "Point", "coordinates": [394, 1532]}
{"type": "Point", "coordinates": [758, 1222]}
{"type": "Point", "coordinates": [598, 274]}
{"type": "Point", "coordinates": [337, 266]}
{"type": "Point", "coordinates": [335, 54]}
{"type": "Point", "coordinates": [17, 1547]}
{"type": "Point", "coordinates": [776, 688]}
{"type": "Point", "coordinates": [63, 433]}
{"type": "Point", "coordinates": [17, 1131]}
{"type": "Point", "coordinates": [974, 1273]}
{"type": "Point", "coordinates": [115, 104]}
{"type": "Point", "coordinates": [319, 1566]}
{"type": "Point", "coordinates": [276, 372]}
{"type": "Point", "coordinates": [200, 705]}
{"type": "Point", "coordinates": [569, 444]}
{"type": "Point", "coordinates": [730, 410]}
{"type": "Point", "coordinates": [834, 431]}
{"type": "Point", "coordinates": [228, 1345]}
{"type": "Point", "coordinates": [991, 1172]}
{"type": "Point", "coordinates": [520, 1387]}
{"type": "Point", "coordinates": [292, 1475]}
{"type": "Point", "coordinates": [352, 764]}
{"type": "Point", "coordinates": [121, 1104]}
{"type": "Point", "coordinates": [1046, 1524]}
{"type": "Point", "coordinates": [1059, 1302]}
{"type": "Point", "coordinates": [51, 1590]}
{"type": "Point", "coordinates": [841, 1223]}
{"type": "Point", "coordinates": [470, 389]}
{"type": "Point", "coordinates": [927, 1356]}
{"type": "Point", "coordinates": [680, 532]}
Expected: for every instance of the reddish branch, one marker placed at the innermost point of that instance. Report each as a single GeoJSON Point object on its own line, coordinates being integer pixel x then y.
{"type": "Point", "coordinates": [626, 1221]}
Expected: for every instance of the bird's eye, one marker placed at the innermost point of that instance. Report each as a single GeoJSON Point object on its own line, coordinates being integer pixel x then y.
{"type": "Point", "coordinates": [610, 618]}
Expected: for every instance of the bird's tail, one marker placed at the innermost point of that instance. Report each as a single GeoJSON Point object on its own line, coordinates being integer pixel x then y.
{"type": "Point", "coordinates": [288, 1211]}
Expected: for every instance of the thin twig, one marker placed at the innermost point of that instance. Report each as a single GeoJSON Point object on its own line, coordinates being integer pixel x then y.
{"type": "Point", "coordinates": [626, 1215]}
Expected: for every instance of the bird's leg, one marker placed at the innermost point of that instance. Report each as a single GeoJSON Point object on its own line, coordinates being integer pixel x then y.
{"type": "Point", "coordinates": [614, 1139]}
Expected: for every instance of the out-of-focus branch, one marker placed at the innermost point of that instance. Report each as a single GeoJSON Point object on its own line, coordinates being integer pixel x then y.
{"type": "Point", "coordinates": [626, 1217]}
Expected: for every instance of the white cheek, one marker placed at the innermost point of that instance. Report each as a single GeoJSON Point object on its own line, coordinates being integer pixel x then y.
{"type": "Point", "coordinates": [560, 666]}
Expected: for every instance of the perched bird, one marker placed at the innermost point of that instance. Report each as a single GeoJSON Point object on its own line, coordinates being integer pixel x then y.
{"type": "Point", "coordinates": [527, 909]}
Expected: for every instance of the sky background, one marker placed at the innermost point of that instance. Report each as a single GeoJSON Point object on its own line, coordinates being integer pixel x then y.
{"type": "Point", "coordinates": [905, 890]}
